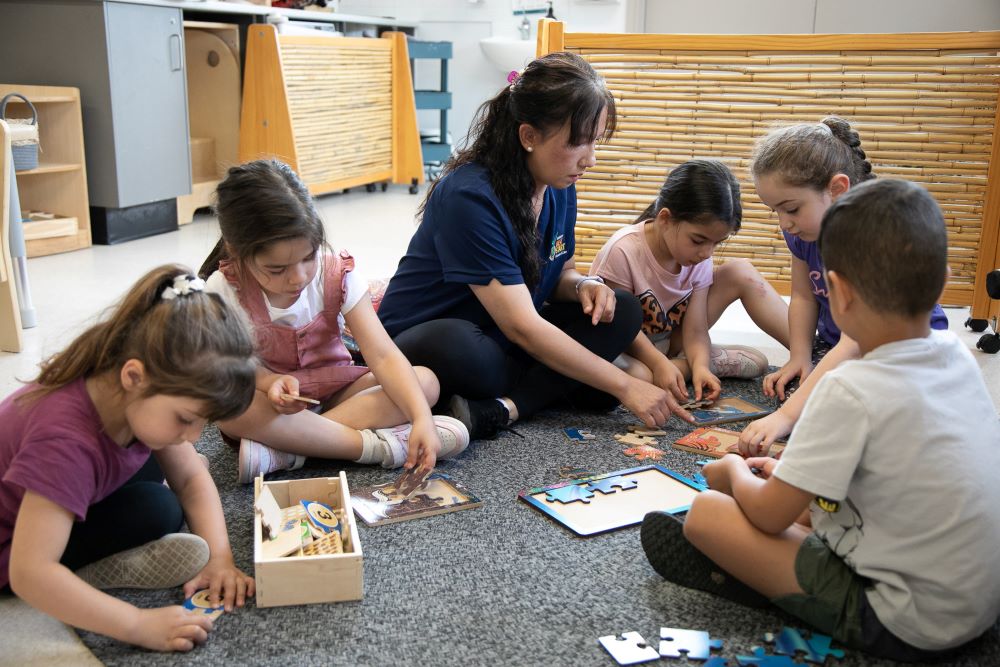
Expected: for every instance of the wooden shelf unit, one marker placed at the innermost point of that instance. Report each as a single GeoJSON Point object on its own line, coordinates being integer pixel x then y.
{"type": "Point", "coordinates": [59, 184]}
{"type": "Point", "coordinates": [339, 110]}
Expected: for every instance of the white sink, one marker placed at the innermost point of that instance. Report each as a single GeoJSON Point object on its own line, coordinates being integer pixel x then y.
{"type": "Point", "coordinates": [508, 54]}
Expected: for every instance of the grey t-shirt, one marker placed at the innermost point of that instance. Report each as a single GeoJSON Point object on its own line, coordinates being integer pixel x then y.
{"type": "Point", "coordinates": [902, 449]}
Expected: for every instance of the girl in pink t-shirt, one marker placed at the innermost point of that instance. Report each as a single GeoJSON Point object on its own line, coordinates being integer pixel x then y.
{"type": "Point", "coordinates": [665, 259]}
{"type": "Point", "coordinates": [83, 506]}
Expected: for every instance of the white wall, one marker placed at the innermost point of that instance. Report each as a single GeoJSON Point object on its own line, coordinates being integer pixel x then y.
{"type": "Point", "coordinates": [472, 78]}
{"type": "Point", "coordinates": [818, 16]}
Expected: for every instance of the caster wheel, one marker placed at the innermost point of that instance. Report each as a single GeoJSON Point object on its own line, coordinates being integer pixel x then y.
{"type": "Point", "coordinates": [346, 190]}
{"type": "Point", "coordinates": [370, 187]}
{"type": "Point", "coordinates": [385, 186]}
{"type": "Point", "coordinates": [990, 343]}
{"type": "Point", "coordinates": [413, 187]}
{"type": "Point", "coordinates": [977, 325]}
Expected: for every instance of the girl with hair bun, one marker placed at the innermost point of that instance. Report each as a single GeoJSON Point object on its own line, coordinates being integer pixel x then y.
{"type": "Point", "coordinates": [799, 171]}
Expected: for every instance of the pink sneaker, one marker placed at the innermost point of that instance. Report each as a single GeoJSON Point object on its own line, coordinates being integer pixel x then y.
{"type": "Point", "coordinates": [453, 434]}
{"type": "Point", "coordinates": [737, 361]}
{"type": "Point", "coordinates": [257, 459]}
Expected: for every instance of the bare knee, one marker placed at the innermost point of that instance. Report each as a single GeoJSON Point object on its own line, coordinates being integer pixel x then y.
{"type": "Point", "coordinates": [705, 516]}
{"type": "Point", "coordinates": [634, 367]}
{"type": "Point", "coordinates": [429, 384]}
{"type": "Point", "coordinates": [740, 271]}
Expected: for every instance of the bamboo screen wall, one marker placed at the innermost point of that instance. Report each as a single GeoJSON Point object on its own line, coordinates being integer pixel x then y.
{"type": "Point", "coordinates": [924, 105]}
{"type": "Point", "coordinates": [340, 100]}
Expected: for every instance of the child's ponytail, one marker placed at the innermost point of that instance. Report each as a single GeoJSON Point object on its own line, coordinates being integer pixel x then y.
{"type": "Point", "coordinates": [810, 154]}
{"type": "Point", "coordinates": [190, 342]}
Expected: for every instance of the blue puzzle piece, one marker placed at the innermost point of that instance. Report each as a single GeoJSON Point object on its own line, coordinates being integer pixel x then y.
{"type": "Point", "coordinates": [813, 648]}
{"type": "Point", "coordinates": [695, 643]}
{"type": "Point", "coordinates": [579, 435]}
{"type": "Point", "coordinates": [569, 493]}
{"type": "Point", "coordinates": [608, 484]}
{"type": "Point", "coordinates": [761, 659]}
{"type": "Point", "coordinates": [716, 661]}
{"type": "Point", "coordinates": [700, 479]}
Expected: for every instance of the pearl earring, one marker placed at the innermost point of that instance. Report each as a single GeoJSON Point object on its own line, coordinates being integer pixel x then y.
{"type": "Point", "coordinates": [528, 148]}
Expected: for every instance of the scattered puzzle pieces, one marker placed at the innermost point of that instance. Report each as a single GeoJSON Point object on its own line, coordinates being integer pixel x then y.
{"type": "Point", "coordinates": [645, 452]}
{"type": "Point", "coordinates": [762, 659]}
{"type": "Point", "coordinates": [695, 644]}
{"type": "Point", "coordinates": [642, 429]}
{"type": "Point", "coordinates": [578, 435]}
{"type": "Point", "coordinates": [634, 440]}
{"type": "Point", "coordinates": [569, 493]}
{"type": "Point", "coordinates": [813, 647]}
{"type": "Point", "coordinates": [628, 648]}
{"type": "Point", "coordinates": [608, 484]}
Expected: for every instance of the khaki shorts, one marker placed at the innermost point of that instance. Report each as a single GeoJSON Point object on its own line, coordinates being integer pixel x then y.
{"type": "Point", "coordinates": [835, 603]}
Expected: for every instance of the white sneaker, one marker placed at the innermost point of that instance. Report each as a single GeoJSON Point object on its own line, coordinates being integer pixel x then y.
{"type": "Point", "coordinates": [257, 459]}
{"type": "Point", "coordinates": [737, 361]}
{"type": "Point", "coordinates": [453, 434]}
{"type": "Point", "coordinates": [170, 561]}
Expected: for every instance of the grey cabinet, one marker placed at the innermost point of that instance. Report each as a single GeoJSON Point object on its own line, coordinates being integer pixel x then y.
{"type": "Point", "coordinates": [128, 62]}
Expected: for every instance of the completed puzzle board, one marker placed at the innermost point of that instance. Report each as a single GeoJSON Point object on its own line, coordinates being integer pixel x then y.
{"type": "Point", "coordinates": [656, 489]}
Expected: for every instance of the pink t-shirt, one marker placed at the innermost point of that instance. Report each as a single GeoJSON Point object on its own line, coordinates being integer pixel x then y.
{"type": "Point", "coordinates": [55, 447]}
{"type": "Point", "coordinates": [627, 260]}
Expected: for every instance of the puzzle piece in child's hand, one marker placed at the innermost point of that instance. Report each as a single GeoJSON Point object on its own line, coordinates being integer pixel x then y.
{"type": "Point", "coordinates": [814, 647]}
{"type": "Point", "coordinates": [695, 644]}
{"type": "Point", "coordinates": [628, 648]}
{"type": "Point", "coordinates": [569, 494]}
{"type": "Point", "coordinates": [578, 435]}
{"type": "Point", "coordinates": [694, 405]}
{"type": "Point", "coordinates": [321, 516]}
{"type": "Point", "coordinates": [608, 484]}
{"type": "Point", "coordinates": [762, 659]}
{"type": "Point", "coordinates": [270, 513]}
{"type": "Point", "coordinates": [409, 483]}
{"type": "Point", "coordinates": [644, 452]}
{"type": "Point", "coordinates": [200, 603]}
{"type": "Point", "coordinates": [634, 440]}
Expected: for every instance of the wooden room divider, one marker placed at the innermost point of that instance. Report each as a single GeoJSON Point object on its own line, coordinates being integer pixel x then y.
{"type": "Point", "coordinates": [338, 110]}
{"type": "Point", "coordinates": [925, 105]}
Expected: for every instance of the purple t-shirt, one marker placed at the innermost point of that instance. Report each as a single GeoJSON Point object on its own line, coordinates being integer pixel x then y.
{"type": "Point", "coordinates": [808, 252]}
{"type": "Point", "coordinates": [55, 447]}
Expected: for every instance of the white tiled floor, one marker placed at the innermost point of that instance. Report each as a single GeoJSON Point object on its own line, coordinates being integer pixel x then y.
{"type": "Point", "coordinates": [69, 290]}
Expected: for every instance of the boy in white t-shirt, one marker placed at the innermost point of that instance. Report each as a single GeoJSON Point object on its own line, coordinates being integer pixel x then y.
{"type": "Point", "coordinates": [895, 456]}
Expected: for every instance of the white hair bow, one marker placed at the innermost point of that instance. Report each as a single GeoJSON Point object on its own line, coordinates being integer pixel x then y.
{"type": "Point", "coordinates": [183, 285]}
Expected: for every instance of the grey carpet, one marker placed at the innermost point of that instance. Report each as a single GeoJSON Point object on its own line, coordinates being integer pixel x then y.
{"type": "Point", "coordinates": [501, 584]}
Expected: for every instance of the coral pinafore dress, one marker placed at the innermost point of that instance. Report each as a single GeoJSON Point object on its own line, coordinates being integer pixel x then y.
{"type": "Point", "coordinates": [314, 354]}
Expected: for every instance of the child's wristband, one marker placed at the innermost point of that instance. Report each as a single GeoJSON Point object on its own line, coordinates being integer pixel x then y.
{"type": "Point", "coordinates": [593, 279]}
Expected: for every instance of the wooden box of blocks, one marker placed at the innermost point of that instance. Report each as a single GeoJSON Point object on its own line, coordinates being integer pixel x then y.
{"type": "Point", "coordinates": [320, 576]}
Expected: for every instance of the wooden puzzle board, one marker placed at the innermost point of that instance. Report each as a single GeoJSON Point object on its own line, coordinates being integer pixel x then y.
{"type": "Point", "coordinates": [658, 489]}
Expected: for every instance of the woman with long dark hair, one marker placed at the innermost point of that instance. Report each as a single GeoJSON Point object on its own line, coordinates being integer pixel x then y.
{"type": "Point", "coordinates": [488, 295]}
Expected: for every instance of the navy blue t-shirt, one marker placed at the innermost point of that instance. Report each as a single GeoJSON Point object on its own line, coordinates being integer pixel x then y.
{"type": "Point", "coordinates": [466, 238]}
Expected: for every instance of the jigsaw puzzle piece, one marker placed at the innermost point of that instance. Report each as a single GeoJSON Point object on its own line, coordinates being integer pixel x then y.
{"type": "Point", "coordinates": [695, 643]}
{"type": "Point", "coordinates": [578, 435]}
{"type": "Point", "coordinates": [608, 484]}
{"type": "Point", "coordinates": [569, 493]}
{"type": "Point", "coordinates": [716, 661]}
{"type": "Point", "coordinates": [644, 452]}
{"type": "Point", "coordinates": [628, 648]}
{"type": "Point", "coordinates": [762, 659]}
{"type": "Point", "coordinates": [813, 647]}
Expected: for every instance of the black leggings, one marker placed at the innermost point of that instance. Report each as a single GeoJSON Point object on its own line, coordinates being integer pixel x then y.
{"type": "Point", "coordinates": [143, 509]}
{"type": "Point", "coordinates": [470, 363]}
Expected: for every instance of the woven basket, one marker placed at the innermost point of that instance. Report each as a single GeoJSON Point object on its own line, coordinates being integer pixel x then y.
{"type": "Point", "coordinates": [23, 135]}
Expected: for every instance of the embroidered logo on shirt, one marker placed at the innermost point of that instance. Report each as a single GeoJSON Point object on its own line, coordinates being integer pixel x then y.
{"type": "Point", "coordinates": [827, 505]}
{"type": "Point", "coordinates": [558, 247]}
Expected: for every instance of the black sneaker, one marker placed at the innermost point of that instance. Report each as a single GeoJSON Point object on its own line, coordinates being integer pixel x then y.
{"type": "Point", "coordinates": [484, 418]}
{"type": "Point", "coordinates": [677, 560]}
